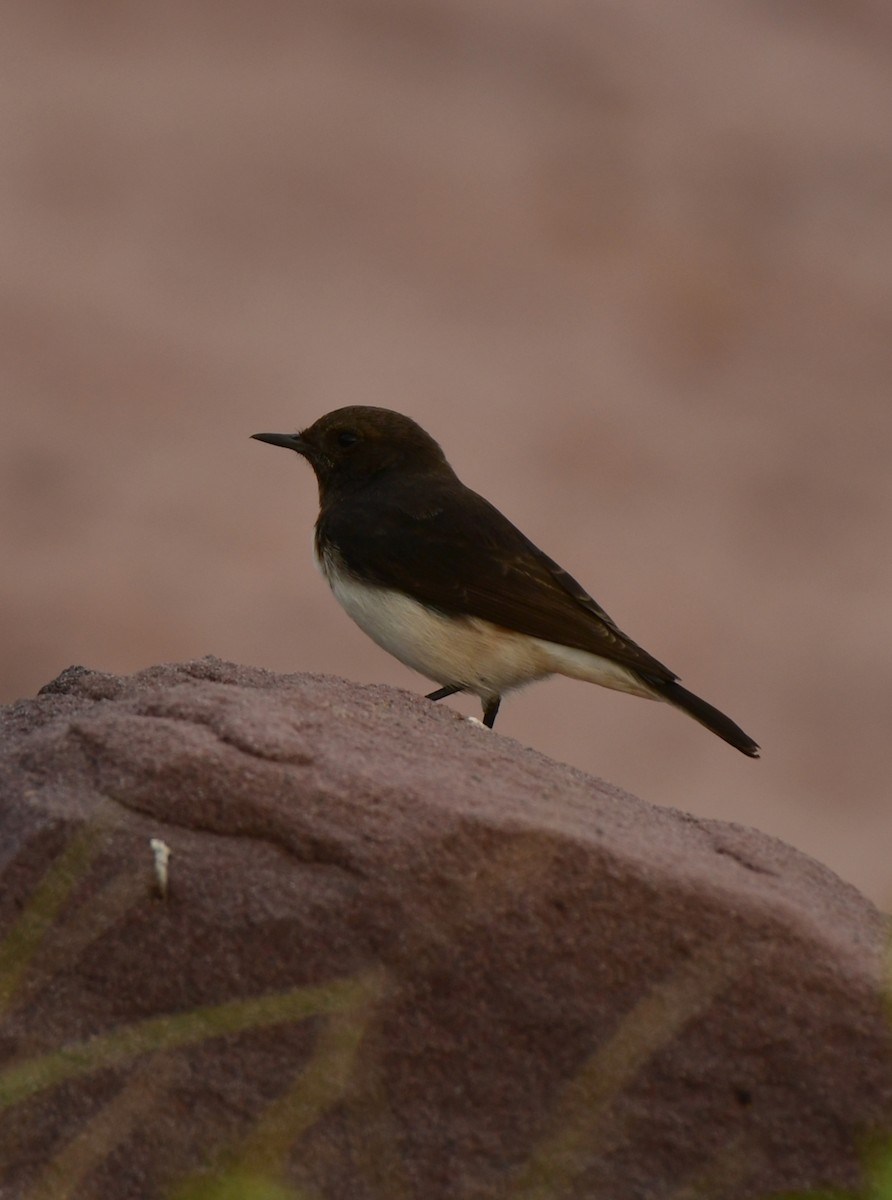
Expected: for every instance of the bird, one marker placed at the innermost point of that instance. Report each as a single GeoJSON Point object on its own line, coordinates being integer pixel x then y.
{"type": "Point", "coordinates": [438, 577]}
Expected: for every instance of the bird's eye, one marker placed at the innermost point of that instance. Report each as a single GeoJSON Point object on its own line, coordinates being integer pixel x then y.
{"type": "Point", "coordinates": [347, 437]}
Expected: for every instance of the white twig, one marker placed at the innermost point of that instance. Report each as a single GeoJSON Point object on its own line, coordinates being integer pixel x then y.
{"type": "Point", "coordinates": [161, 858]}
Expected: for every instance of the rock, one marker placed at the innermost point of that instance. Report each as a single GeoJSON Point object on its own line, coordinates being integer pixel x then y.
{"type": "Point", "coordinates": [401, 956]}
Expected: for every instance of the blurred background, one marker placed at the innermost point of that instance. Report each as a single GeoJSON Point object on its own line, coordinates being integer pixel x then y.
{"type": "Point", "coordinates": [629, 262]}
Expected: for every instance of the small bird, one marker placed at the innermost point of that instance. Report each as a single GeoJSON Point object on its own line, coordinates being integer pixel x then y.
{"type": "Point", "coordinates": [438, 577]}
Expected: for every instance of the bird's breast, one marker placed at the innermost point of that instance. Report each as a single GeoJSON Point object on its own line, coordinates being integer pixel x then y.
{"type": "Point", "coordinates": [463, 651]}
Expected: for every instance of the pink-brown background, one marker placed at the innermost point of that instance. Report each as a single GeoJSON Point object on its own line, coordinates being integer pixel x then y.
{"type": "Point", "coordinates": [630, 263]}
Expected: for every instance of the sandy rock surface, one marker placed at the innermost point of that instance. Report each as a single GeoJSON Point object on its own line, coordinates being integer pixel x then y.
{"type": "Point", "coordinates": [400, 956]}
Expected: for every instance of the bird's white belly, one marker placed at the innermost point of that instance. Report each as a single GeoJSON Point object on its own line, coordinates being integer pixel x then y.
{"type": "Point", "coordinates": [462, 651]}
{"type": "Point", "coordinates": [465, 651]}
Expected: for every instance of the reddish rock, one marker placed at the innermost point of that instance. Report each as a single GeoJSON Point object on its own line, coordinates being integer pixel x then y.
{"type": "Point", "coordinates": [401, 956]}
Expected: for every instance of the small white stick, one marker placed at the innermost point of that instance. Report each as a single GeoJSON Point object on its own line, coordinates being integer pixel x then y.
{"type": "Point", "coordinates": [161, 857]}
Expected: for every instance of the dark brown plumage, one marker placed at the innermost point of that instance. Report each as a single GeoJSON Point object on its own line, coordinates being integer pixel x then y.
{"type": "Point", "coordinates": [396, 522]}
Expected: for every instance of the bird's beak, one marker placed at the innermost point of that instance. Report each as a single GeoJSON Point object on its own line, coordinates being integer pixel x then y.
{"type": "Point", "coordinates": [291, 441]}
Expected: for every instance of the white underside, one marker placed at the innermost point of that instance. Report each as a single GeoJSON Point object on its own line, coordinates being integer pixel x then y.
{"type": "Point", "coordinates": [468, 652]}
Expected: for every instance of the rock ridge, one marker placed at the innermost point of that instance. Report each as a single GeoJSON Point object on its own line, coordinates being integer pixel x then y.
{"type": "Point", "coordinates": [401, 955]}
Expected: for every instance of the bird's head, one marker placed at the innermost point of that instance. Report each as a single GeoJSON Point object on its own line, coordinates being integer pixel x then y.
{"type": "Point", "coordinates": [352, 445]}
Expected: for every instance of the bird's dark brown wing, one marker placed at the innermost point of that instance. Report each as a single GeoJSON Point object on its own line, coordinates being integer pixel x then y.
{"type": "Point", "coordinates": [450, 549]}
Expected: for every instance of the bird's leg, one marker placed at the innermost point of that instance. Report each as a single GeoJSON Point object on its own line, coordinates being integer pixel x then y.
{"type": "Point", "coordinates": [489, 712]}
{"type": "Point", "coordinates": [442, 692]}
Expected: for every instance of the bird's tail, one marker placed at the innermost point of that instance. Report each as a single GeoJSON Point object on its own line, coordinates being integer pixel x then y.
{"type": "Point", "coordinates": [706, 715]}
